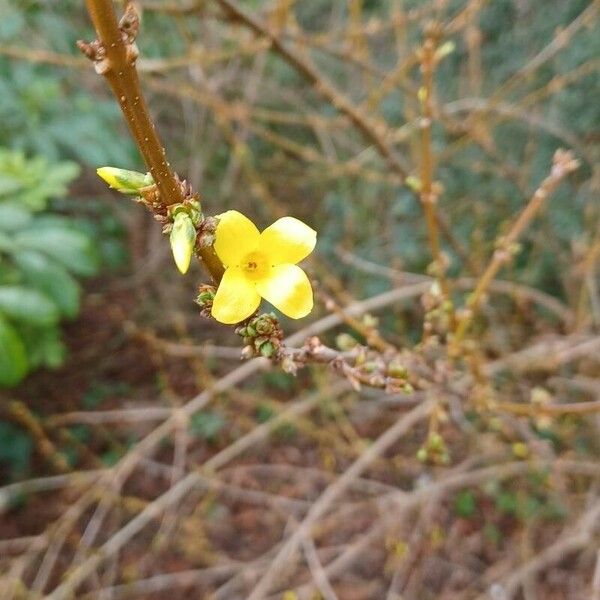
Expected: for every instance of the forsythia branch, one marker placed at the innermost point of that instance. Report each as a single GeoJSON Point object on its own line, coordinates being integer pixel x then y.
{"type": "Point", "coordinates": [114, 54]}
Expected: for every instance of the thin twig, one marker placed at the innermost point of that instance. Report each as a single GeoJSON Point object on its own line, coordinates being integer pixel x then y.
{"type": "Point", "coordinates": [564, 163]}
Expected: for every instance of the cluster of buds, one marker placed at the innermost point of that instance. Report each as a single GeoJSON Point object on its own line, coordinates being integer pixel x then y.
{"type": "Point", "coordinates": [262, 336]}
{"type": "Point", "coordinates": [206, 295]}
{"type": "Point", "coordinates": [506, 251]}
{"type": "Point", "coordinates": [438, 311]}
{"type": "Point", "coordinates": [389, 374]}
{"type": "Point", "coordinates": [434, 450]}
{"type": "Point", "coordinates": [387, 371]}
{"type": "Point", "coordinates": [182, 221]}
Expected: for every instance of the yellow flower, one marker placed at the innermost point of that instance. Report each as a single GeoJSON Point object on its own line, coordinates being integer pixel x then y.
{"type": "Point", "coordinates": [262, 265]}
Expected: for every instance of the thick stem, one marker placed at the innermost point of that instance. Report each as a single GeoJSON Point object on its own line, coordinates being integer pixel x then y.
{"type": "Point", "coordinates": [121, 74]}
{"type": "Point", "coordinates": [118, 67]}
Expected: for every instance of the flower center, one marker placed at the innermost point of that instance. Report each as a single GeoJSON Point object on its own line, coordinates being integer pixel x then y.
{"type": "Point", "coordinates": [255, 265]}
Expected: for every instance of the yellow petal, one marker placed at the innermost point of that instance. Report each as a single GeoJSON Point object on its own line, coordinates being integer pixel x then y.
{"type": "Point", "coordinates": [236, 298]}
{"type": "Point", "coordinates": [235, 237]}
{"type": "Point", "coordinates": [288, 240]}
{"type": "Point", "coordinates": [287, 288]}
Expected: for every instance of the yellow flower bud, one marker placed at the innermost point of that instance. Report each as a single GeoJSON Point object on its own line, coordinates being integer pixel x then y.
{"type": "Point", "coordinates": [183, 240]}
{"type": "Point", "coordinates": [126, 182]}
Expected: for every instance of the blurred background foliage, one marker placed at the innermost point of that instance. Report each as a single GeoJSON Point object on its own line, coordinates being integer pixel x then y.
{"type": "Point", "coordinates": [520, 80]}
{"type": "Point", "coordinates": [249, 132]}
{"type": "Point", "coordinates": [516, 121]}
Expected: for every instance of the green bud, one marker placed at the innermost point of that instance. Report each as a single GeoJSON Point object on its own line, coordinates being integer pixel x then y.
{"type": "Point", "coordinates": [183, 239]}
{"type": "Point", "coordinates": [436, 442]}
{"type": "Point", "coordinates": [370, 321]}
{"type": "Point", "coordinates": [414, 183]}
{"type": "Point", "coordinates": [206, 296]}
{"type": "Point", "coordinates": [445, 49]}
{"type": "Point", "coordinates": [126, 182]}
{"type": "Point", "coordinates": [345, 342]}
{"type": "Point", "coordinates": [445, 458]}
{"type": "Point", "coordinates": [520, 450]}
{"type": "Point", "coordinates": [397, 369]}
{"type": "Point", "coordinates": [422, 455]}
{"type": "Point", "coordinates": [267, 349]}
{"type": "Point", "coordinates": [190, 207]}
{"type": "Point", "coordinates": [264, 326]}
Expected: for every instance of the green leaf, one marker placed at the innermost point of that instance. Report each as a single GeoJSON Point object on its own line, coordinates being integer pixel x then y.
{"type": "Point", "coordinates": [50, 278]}
{"type": "Point", "coordinates": [9, 184]}
{"type": "Point", "coordinates": [72, 248]}
{"type": "Point", "coordinates": [206, 425]}
{"type": "Point", "coordinates": [13, 357]}
{"type": "Point", "coordinates": [465, 505]}
{"type": "Point", "coordinates": [59, 176]}
{"type": "Point", "coordinates": [13, 216]}
{"type": "Point", "coordinates": [43, 345]}
{"type": "Point", "coordinates": [16, 447]}
{"type": "Point", "coordinates": [25, 304]}
{"type": "Point", "coordinates": [110, 458]}
{"type": "Point", "coordinates": [6, 243]}
{"type": "Point", "coordinates": [264, 413]}
{"type": "Point", "coordinates": [507, 503]}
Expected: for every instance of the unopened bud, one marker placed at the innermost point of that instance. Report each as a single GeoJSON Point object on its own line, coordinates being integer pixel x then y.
{"type": "Point", "coordinates": [183, 240]}
{"type": "Point", "coordinates": [444, 50]}
{"type": "Point", "coordinates": [267, 349]}
{"type": "Point", "coordinates": [126, 182]}
{"type": "Point", "coordinates": [345, 342]}
{"type": "Point", "coordinates": [247, 352]}
{"type": "Point", "coordinates": [520, 450]}
{"type": "Point", "coordinates": [414, 183]}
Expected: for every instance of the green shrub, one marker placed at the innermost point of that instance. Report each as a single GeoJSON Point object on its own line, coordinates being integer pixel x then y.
{"type": "Point", "coordinates": [41, 255]}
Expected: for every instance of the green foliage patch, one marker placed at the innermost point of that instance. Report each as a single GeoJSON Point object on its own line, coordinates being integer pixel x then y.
{"type": "Point", "coordinates": [41, 256]}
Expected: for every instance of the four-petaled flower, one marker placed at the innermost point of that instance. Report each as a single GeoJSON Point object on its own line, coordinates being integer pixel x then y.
{"type": "Point", "coordinates": [262, 265]}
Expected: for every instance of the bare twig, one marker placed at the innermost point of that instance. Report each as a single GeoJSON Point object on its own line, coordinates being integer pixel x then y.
{"type": "Point", "coordinates": [285, 558]}
{"type": "Point", "coordinates": [564, 163]}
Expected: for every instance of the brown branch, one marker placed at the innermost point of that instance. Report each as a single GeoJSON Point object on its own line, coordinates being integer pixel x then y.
{"type": "Point", "coordinates": [374, 131]}
{"type": "Point", "coordinates": [114, 55]}
{"type": "Point", "coordinates": [564, 163]}
{"type": "Point", "coordinates": [116, 62]}
{"type": "Point", "coordinates": [535, 410]}
{"type": "Point", "coordinates": [369, 128]}
{"type": "Point", "coordinates": [428, 193]}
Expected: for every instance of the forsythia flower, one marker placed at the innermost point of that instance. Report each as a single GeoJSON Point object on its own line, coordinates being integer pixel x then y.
{"type": "Point", "coordinates": [262, 265]}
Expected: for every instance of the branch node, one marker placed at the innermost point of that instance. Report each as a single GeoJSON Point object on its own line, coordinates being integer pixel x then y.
{"type": "Point", "coordinates": [96, 52]}
{"type": "Point", "coordinates": [130, 24]}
